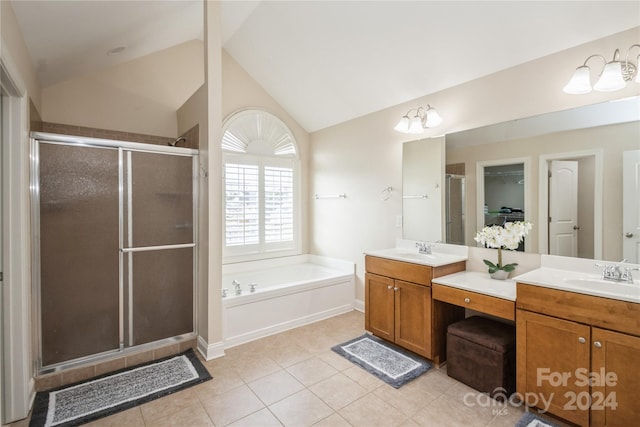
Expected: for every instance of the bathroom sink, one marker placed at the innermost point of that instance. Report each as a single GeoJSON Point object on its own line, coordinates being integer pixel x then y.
{"type": "Point", "coordinates": [581, 276]}
{"type": "Point", "coordinates": [434, 259]}
{"type": "Point", "coordinates": [586, 283]}
{"type": "Point", "coordinates": [416, 255]}
{"type": "Point", "coordinates": [598, 284]}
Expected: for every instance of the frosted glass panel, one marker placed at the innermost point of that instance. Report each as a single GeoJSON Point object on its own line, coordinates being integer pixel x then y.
{"type": "Point", "coordinates": [162, 294]}
{"type": "Point", "coordinates": [78, 251]}
{"type": "Point", "coordinates": [162, 199]}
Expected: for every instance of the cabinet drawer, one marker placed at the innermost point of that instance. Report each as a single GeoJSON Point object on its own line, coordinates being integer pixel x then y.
{"type": "Point", "coordinates": [616, 315]}
{"type": "Point", "coordinates": [406, 271]}
{"type": "Point", "coordinates": [484, 303]}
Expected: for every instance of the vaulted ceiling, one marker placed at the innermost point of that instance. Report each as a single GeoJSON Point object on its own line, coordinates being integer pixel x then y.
{"type": "Point", "coordinates": [325, 62]}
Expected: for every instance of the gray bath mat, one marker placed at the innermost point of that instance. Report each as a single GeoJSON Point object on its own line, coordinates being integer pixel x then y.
{"type": "Point", "coordinates": [390, 363]}
{"type": "Point", "coordinates": [531, 420]}
{"type": "Point", "coordinates": [103, 396]}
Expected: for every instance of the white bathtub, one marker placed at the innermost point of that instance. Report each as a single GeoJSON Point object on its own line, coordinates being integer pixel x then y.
{"type": "Point", "coordinates": [289, 292]}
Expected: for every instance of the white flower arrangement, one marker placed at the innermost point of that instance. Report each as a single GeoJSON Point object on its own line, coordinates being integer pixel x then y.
{"type": "Point", "coordinates": [499, 237]}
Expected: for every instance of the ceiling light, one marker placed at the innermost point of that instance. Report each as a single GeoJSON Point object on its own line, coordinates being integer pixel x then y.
{"type": "Point", "coordinates": [423, 119]}
{"type": "Point", "coordinates": [614, 75]}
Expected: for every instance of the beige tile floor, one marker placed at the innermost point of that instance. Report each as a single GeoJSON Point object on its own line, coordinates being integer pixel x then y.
{"type": "Point", "coordinates": [294, 379]}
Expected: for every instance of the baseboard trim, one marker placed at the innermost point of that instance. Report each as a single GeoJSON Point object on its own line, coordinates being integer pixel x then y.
{"type": "Point", "coordinates": [285, 326]}
{"type": "Point", "coordinates": [358, 305]}
{"type": "Point", "coordinates": [210, 351]}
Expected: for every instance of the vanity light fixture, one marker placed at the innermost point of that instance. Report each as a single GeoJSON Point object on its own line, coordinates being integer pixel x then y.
{"type": "Point", "coordinates": [614, 75]}
{"type": "Point", "coordinates": [423, 119]}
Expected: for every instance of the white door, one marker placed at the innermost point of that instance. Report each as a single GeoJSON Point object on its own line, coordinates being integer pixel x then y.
{"type": "Point", "coordinates": [631, 206]}
{"type": "Point", "coordinates": [563, 208]}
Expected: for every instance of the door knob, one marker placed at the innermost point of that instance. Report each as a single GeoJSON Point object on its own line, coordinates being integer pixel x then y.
{"type": "Point", "coordinates": [575, 227]}
{"type": "Point", "coordinates": [629, 235]}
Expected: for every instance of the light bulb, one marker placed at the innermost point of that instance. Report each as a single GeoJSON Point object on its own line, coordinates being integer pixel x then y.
{"type": "Point", "coordinates": [580, 82]}
{"type": "Point", "coordinates": [433, 118]}
{"type": "Point", "coordinates": [403, 125]}
{"type": "Point", "coordinates": [611, 78]}
{"type": "Point", "coordinates": [416, 125]}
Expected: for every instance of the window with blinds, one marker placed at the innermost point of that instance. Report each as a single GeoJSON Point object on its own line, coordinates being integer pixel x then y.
{"type": "Point", "coordinates": [278, 204]}
{"type": "Point", "coordinates": [261, 189]}
{"type": "Point", "coordinates": [259, 205]}
{"type": "Point", "coordinates": [242, 204]}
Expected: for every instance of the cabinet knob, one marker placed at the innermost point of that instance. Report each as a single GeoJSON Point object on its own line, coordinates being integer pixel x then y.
{"type": "Point", "coordinates": [467, 300]}
{"type": "Point", "coordinates": [390, 287]}
{"type": "Point", "coordinates": [597, 344]}
{"type": "Point", "coordinates": [395, 289]}
{"type": "Point", "coordinates": [582, 340]}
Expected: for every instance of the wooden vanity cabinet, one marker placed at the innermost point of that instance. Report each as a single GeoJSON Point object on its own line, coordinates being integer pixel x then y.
{"type": "Point", "coordinates": [573, 335]}
{"type": "Point", "coordinates": [620, 354]}
{"type": "Point", "coordinates": [546, 346]}
{"type": "Point", "coordinates": [398, 305]}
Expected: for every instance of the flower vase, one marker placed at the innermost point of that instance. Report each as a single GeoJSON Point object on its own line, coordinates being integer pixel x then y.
{"type": "Point", "coordinates": [499, 275]}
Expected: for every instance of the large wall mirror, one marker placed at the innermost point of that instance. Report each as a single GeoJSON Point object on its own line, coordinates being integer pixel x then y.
{"type": "Point", "coordinates": [582, 147]}
{"type": "Point", "coordinates": [422, 196]}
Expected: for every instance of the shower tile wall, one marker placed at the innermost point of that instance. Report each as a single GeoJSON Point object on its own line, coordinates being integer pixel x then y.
{"type": "Point", "coordinates": [191, 136]}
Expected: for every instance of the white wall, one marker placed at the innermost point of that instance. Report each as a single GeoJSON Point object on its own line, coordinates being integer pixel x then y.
{"type": "Point", "coordinates": [241, 91]}
{"type": "Point", "coordinates": [363, 156]}
{"type": "Point", "coordinates": [139, 96]}
{"type": "Point", "coordinates": [20, 82]}
{"type": "Point", "coordinates": [14, 47]}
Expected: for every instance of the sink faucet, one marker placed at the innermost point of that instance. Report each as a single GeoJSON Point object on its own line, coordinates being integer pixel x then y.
{"type": "Point", "coordinates": [237, 286]}
{"type": "Point", "coordinates": [615, 272]}
{"type": "Point", "coordinates": [424, 248]}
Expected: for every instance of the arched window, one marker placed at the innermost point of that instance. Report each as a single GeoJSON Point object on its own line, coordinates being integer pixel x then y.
{"type": "Point", "coordinates": [261, 191]}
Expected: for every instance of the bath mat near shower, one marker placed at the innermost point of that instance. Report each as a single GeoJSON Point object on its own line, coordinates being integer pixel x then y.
{"type": "Point", "coordinates": [117, 391]}
{"type": "Point", "coordinates": [390, 363]}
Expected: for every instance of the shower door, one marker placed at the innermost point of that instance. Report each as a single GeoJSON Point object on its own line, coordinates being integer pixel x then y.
{"type": "Point", "coordinates": [114, 241]}
{"type": "Point", "coordinates": [78, 212]}
{"type": "Point", "coordinates": [455, 209]}
{"type": "Point", "coordinates": [158, 246]}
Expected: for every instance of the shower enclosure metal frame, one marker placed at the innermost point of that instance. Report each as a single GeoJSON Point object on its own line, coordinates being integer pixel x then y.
{"type": "Point", "coordinates": [126, 248]}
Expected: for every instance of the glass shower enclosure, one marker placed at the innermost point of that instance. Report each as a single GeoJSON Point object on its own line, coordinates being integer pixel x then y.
{"type": "Point", "coordinates": [454, 207]}
{"type": "Point", "coordinates": [114, 233]}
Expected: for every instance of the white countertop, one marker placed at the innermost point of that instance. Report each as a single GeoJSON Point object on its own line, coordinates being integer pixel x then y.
{"type": "Point", "coordinates": [481, 283]}
{"type": "Point", "coordinates": [581, 282]}
{"type": "Point", "coordinates": [405, 250]}
{"type": "Point", "coordinates": [435, 259]}
{"type": "Point", "coordinates": [556, 272]}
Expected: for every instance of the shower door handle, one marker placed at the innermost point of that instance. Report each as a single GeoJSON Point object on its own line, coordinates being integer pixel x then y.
{"type": "Point", "coordinates": [157, 248]}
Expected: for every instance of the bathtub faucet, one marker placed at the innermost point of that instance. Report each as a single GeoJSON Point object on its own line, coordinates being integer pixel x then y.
{"type": "Point", "coordinates": [237, 286]}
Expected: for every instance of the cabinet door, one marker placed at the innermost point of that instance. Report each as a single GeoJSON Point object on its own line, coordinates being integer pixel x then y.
{"type": "Point", "coordinates": [413, 317]}
{"type": "Point", "coordinates": [550, 352]}
{"type": "Point", "coordinates": [379, 307]}
{"type": "Point", "coordinates": [616, 378]}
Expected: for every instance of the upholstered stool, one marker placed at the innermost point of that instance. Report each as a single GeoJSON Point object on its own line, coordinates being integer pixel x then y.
{"type": "Point", "coordinates": [481, 353]}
